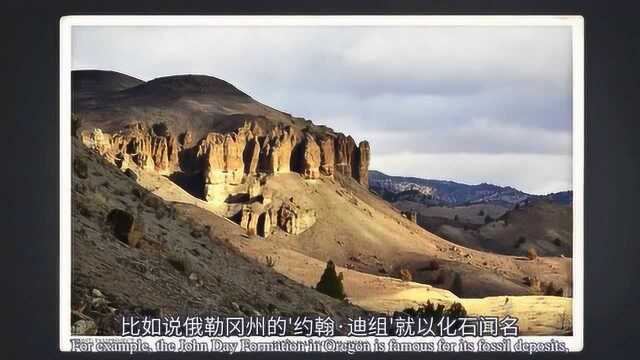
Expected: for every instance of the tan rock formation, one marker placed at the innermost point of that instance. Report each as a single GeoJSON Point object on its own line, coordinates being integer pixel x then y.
{"type": "Point", "coordinates": [256, 219]}
{"type": "Point", "coordinates": [327, 155]}
{"type": "Point", "coordinates": [364, 157]}
{"type": "Point", "coordinates": [311, 158]}
{"type": "Point", "coordinates": [252, 157]}
{"type": "Point", "coordinates": [294, 219]}
{"type": "Point", "coordinates": [345, 148]}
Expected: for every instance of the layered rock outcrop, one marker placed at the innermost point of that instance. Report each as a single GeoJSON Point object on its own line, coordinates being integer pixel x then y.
{"type": "Point", "coordinates": [362, 163]}
{"type": "Point", "coordinates": [311, 158]}
{"type": "Point", "coordinates": [135, 144]}
{"type": "Point", "coordinates": [345, 149]}
{"type": "Point", "coordinates": [223, 160]}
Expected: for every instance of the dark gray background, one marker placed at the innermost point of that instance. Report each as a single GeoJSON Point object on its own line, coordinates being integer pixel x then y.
{"type": "Point", "coordinates": [30, 171]}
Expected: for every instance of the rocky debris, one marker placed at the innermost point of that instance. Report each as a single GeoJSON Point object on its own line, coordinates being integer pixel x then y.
{"type": "Point", "coordinates": [294, 219]}
{"type": "Point", "coordinates": [311, 158]}
{"type": "Point", "coordinates": [126, 227]}
{"type": "Point", "coordinates": [84, 327]}
{"type": "Point", "coordinates": [90, 312]}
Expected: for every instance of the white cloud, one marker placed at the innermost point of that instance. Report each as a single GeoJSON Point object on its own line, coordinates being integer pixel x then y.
{"type": "Point", "coordinates": [534, 174]}
{"type": "Point", "coordinates": [429, 91]}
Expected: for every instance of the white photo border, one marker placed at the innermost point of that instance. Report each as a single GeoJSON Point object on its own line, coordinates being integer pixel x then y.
{"type": "Point", "coordinates": [575, 342]}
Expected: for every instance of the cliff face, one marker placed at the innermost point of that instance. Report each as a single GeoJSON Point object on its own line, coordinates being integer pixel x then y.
{"type": "Point", "coordinates": [225, 159]}
{"type": "Point", "coordinates": [216, 142]}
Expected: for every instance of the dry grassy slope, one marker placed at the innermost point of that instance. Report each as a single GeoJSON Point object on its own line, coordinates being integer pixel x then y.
{"type": "Point", "coordinates": [357, 229]}
{"type": "Point", "coordinates": [537, 315]}
{"type": "Point", "coordinates": [540, 223]}
{"type": "Point", "coordinates": [143, 280]}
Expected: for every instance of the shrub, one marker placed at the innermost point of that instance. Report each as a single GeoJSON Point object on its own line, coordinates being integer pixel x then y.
{"type": "Point", "coordinates": [427, 310]}
{"type": "Point", "coordinates": [271, 261]}
{"type": "Point", "coordinates": [456, 218]}
{"type": "Point", "coordinates": [456, 286]}
{"type": "Point", "coordinates": [534, 283]}
{"type": "Point", "coordinates": [488, 219]}
{"type": "Point", "coordinates": [456, 311]}
{"type": "Point", "coordinates": [441, 278]}
{"type": "Point", "coordinates": [551, 290]}
{"type": "Point", "coordinates": [557, 242]}
{"type": "Point", "coordinates": [532, 254]}
{"type": "Point", "coordinates": [481, 213]}
{"type": "Point", "coordinates": [405, 275]}
{"type": "Point", "coordinates": [330, 284]}
{"type": "Point", "coordinates": [160, 129]}
{"type": "Point", "coordinates": [521, 240]}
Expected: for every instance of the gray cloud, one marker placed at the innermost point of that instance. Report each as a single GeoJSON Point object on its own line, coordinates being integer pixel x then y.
{"type": "Point", "coordinates": [482, 91]}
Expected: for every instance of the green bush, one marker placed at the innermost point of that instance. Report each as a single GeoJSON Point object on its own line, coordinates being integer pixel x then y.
{"type": "Point", "coordinates": [330, 284]}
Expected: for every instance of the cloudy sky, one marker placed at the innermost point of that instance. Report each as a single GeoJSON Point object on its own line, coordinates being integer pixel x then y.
{"type": "Point", "coordinates": [468, 104]}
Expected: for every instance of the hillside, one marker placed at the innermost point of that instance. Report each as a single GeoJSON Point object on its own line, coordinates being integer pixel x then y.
{"type": "Point", "coordinates": [270, 184]}
{"type": "Point", "coordinates": [169, 263]}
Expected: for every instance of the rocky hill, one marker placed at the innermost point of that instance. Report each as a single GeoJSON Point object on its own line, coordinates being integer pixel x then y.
{"type": "Point", "coordinates": [135, 253]}
{"type": "Point", "coordinates": [267, 183]}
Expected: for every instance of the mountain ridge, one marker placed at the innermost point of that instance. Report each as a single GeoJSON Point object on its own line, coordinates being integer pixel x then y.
{"type": "Point", "coordinates": [446, 192]}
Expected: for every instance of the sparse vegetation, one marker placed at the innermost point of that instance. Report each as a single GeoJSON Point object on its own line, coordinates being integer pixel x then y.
{"type": "Point", "coordinates": [428, 310]}
{"type": "Point", "coordinates": [551, 290]}
{"type": "Point", "coordinates": [532, 254]}
{"type": "Point", "coordinates": [405, 275]}
{"type": "Point", "coordinates": [330, 284]}
{"type": "Point", "coordinates": [456, 311]}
